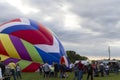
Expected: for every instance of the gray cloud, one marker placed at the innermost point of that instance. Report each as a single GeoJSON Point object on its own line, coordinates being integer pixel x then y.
{"type": "Point", "coordinates": [8, 12]}
{"type": "Point", "coordinates": [98, 21]}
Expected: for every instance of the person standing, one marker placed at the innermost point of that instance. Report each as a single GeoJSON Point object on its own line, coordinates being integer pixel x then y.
{"type": "Point", "coordinates": [18, 71]}
{"type": "Point", "coordinates": [90, 72]}
{"type": "Point", "coordinates": [81, 68]}
{"type": "Point", "coordinates": [71, 67]}
{"type": "Point", "coordinates": [40, 69]}
{"type": "Point", "coordinates": [51, 74]}
{"type": "Point", "coordinates": [107, 69]}
{"type": "Point", "coordinates": [76, 71]}
{"type": "Point", "coordinates": [2, 66]}
{"type": "Point", "coordinates": [62, 70]}
{"type": "Point", "coordinates": [7, 73]}
{"type": "Point", "coordinates": [116, 68]}
{"type": "Point", "coordinates": [12, 66]}
{"type": "Point", "coordinates": [56, 70]}
{"type": "Point", "coordinates": [46, 70]}
{"type": "Point", "coordinates": [101, 67]}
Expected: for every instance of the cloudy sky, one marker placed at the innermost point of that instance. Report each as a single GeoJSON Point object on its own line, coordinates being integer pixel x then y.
{"type": "Point", "coordinates": [87, 27]}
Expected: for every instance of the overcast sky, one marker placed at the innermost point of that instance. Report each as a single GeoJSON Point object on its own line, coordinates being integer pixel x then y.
{"type": "Point", "coordinates": [87, 27]}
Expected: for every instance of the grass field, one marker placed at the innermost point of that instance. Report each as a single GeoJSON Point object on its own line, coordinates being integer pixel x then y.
{"type": "Point", "coordinates": [37, 76]}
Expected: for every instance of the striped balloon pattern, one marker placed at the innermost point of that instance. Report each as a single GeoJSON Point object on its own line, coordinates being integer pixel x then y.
{"type": "Point", "coordinates": [30, 44]}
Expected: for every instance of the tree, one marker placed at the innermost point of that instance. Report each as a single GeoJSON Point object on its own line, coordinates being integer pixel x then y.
{"type": "Point", "coordinates": [84, 58]}
{"type": "Point", "coordinates": [73, 56]}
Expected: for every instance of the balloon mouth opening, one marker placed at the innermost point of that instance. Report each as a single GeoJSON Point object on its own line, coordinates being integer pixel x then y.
{"type": "Point", "coordinates": [63, 60]}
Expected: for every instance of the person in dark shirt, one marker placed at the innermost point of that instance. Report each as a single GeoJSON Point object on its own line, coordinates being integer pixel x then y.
{"type": "Point", "coordinates": [56, 69]}
{"type": "Point", "coordinates": [40, 69]}
{"type": "Point", "coordinates": [62, 70]}
{"type": "Point", "coordinates": [76, 71]}
{"type": "Point", "coordinates": [116, 68]}
{"type": "Point", "coordinates": [90, 72]}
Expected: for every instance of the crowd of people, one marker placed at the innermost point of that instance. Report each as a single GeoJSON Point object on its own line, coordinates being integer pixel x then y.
{"type": "Point", "coordinates": [10, 70]}
{"type": "Point", "coordinates": [94, 69]}
{"type": "Point", "coordinates": [51, 71]}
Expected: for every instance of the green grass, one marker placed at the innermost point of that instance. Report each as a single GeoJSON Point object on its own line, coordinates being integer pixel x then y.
{"type": "Point", "coordinates": [37, 76]}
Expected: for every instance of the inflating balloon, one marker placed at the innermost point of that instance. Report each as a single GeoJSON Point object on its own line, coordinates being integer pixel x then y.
{"type": "Point", "coordinates": [25, 39]}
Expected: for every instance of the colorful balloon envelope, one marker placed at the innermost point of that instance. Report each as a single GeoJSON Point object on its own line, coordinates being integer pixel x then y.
{"type": "Point", "coordinates": [27, 40]}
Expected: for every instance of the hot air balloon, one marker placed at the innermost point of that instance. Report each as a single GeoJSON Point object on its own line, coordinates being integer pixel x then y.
{"type": "Point", "coordinates": [24, 39]}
